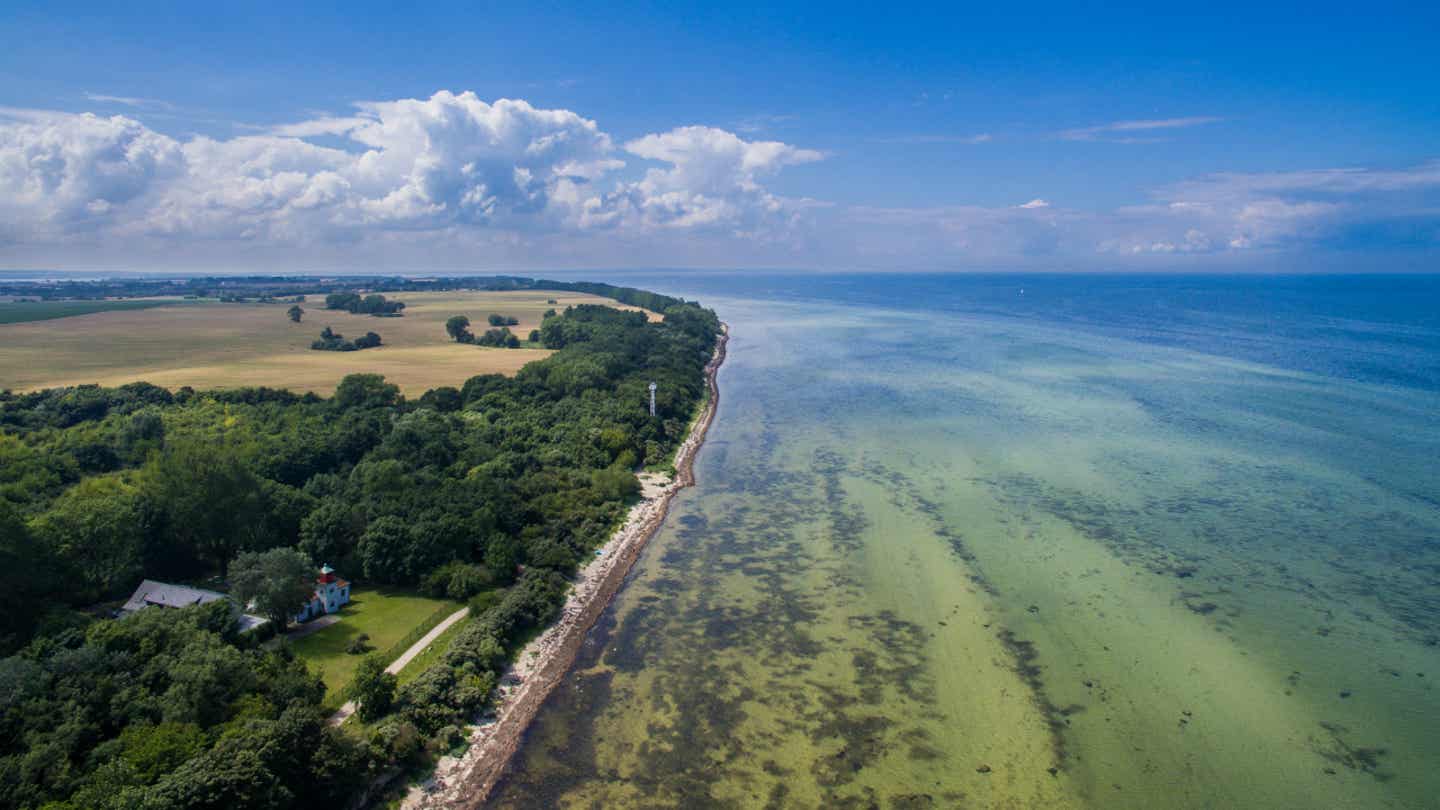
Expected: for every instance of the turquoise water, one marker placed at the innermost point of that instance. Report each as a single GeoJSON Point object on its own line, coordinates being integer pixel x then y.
{"type": "Point", "coordinates": [1109, 542]}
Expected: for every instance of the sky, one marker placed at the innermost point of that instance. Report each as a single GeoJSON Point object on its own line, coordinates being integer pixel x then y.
{"type": "Point", "coordinates": [491, 137]}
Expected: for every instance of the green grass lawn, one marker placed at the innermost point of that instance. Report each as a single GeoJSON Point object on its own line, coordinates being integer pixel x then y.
{"type": "Point", "coordinates": [390, 616]}
{"type": "Point", "coordinates": [432, 653]}
{"type": "Point", "coordinates": [22, 311]}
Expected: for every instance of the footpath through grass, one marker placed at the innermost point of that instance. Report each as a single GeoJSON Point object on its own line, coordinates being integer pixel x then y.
{"type": "Point", "coordinates": [393, 618]}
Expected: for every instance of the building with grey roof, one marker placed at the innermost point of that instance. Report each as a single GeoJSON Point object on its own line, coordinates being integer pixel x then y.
{"type": "Point", "coordinates": [165, 595]}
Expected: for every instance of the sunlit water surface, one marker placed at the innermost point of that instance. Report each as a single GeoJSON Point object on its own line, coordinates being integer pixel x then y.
{"type": "Point", "coordinates": [1106, 542]}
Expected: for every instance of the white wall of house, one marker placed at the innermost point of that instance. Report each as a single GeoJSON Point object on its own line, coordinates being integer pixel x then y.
{"type": "Point", "coordinates": [328, 598]}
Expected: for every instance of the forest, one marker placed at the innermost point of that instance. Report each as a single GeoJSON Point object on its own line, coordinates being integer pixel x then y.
{"type": "Point", "coordinates": [332, 341]}
{"type": "Point", "coordinates": [493, 490]}
{"type": "Point", "coordinates": [373, 304]}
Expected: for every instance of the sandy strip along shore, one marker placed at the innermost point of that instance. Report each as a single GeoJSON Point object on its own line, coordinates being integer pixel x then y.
{"type": "Point", "coordinates": [466, 781]}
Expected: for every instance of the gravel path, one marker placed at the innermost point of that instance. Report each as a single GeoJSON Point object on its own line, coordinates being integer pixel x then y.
{"type": "Point", "coordinates": [406, 657]}
{"type": "Point", "coordinates": [317, 623]}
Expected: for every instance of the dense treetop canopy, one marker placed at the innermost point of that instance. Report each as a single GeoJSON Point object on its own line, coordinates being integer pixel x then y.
{"type": "Point", "coordinates": [494, 489]}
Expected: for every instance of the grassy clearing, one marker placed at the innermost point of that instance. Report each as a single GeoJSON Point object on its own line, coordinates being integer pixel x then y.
{"type": "Point", "coordinates": [214, 345]}
{"type": "Point", "coordinates": [25, 311]}
{"type": "Point", "coordinates": [394, 619]}
{"type": "Point", "coordinates": [432, 653]}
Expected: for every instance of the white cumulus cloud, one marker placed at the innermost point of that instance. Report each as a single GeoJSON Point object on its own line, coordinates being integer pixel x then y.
{"type": "Point", "coordinates": [63, 173]}
{"type": "Point", "coordinates": [712, 180]}
{"type": "Point", "coordinates": [445, 164]}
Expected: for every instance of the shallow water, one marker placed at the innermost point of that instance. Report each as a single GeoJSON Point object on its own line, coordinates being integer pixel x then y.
{"type": "Point", "coordinates": [1118, 543]}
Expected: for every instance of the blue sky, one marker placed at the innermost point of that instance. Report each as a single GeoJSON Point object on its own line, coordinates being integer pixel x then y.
{"type": "Point", "coordinates": [843, 137]}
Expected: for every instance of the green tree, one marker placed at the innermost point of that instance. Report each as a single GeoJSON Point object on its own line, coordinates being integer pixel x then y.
{"type": "Point", "coordinates": [278, 582]}
{"type": "Point", "coordinates": [155, 750]}
{"type": "Point", "coordinates": [458, 328]}
{"type": "Point", "coordinates": [346, 301]}
{"type": "Point", "coordinates": [394, 550]}
{"type": "Point", "coordinates": [372, 689]}
{"type": "Point", "coordinates": [22, 579]}
{"type": "Point", "coordinates": [615, 484]}
{"type": "Point", "coordinates": [384, 549]}
{"type": "Point", "coordinates": [444, 399]}
{"type": "Point", "coordinates": [331, 530]}
{"type": "Point", "coordinates": [366, 391]}
{"type": "Point", "coordinates": [502, 554]}
{"type": "Point", "coordinates": [295, 313]}
{"type": "Point", "coordinates": [96, 531]}
{"type": "Point", "coordinates": [213, 505]}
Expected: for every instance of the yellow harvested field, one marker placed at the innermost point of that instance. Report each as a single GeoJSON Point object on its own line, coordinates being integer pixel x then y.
{"type": "Point", "coordinates": [213, 345]}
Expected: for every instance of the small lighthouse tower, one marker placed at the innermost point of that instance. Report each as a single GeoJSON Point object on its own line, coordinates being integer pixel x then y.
{"type": "Point", "coordinates": [652, 398]}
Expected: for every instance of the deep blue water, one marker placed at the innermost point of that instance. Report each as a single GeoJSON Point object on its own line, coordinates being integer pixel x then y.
{"type": "Point", "coordinates": [1382, 329]}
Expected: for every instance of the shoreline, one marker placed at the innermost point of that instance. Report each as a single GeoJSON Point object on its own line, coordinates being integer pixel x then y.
{"type": "Point", "coordinates": [466, 781]}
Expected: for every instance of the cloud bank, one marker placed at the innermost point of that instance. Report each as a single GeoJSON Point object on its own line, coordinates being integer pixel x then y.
{"type": "Point", "coordinates": [453, 181]}
{"type": "Point", "coordinates": [443, 164]}
{"type": "Point", "coordinates": [1229, 218]}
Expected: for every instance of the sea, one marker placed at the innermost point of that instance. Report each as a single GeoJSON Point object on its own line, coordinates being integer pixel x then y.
{"type": "Point", "coordinates": [1021, 541]}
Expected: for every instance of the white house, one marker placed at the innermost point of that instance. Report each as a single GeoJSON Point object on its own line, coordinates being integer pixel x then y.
{"type": "Point", "coordinates": [330, 593]}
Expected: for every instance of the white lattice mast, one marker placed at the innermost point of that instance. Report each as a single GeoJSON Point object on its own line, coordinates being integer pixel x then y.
{"type": "Point", "coordinates": [652, 398]}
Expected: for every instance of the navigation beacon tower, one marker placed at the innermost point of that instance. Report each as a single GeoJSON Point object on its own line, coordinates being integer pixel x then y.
{"type": "Point", "coordinates": [652, 398]}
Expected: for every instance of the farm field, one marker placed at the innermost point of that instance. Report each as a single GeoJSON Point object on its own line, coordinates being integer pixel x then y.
{"type": "Point", "coordinates": [214, 345]}
{"type": "Point", "coordinates": [24, 311]}
{"type": "Point", "coordinates": [389, 616]}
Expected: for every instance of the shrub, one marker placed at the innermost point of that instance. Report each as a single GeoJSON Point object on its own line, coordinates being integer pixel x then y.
{"type": "Point", "coordinates": [458, 580]}
{"type": "Point", "coordinates": [359, 645]}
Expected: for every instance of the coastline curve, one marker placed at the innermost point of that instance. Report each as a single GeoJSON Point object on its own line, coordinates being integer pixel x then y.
{"type": "Point", "coordinates": [466, 781]}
